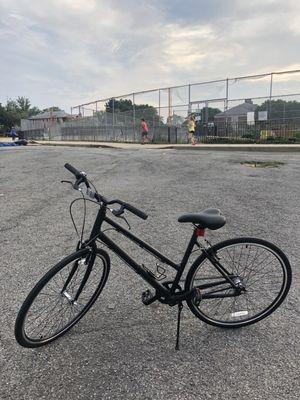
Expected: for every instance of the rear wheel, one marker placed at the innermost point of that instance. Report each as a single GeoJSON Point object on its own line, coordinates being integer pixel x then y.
{"type": "Point", "coordinates": [52, 306]}
{"type": "Point", "coordinates": [263, 272]}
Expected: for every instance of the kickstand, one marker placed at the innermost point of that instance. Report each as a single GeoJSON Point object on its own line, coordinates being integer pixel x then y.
{"type": "Point", "coordinates": [180, 307]}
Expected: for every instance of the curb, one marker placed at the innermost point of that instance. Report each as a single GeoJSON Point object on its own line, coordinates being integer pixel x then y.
{"type": "Point", "coordinates": [118, 146]}
{"type": "Point", "coordinates": [199, 147]}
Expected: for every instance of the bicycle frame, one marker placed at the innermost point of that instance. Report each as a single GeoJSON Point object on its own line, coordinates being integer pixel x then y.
{"type": "Point", "coordinates": [164, 293]}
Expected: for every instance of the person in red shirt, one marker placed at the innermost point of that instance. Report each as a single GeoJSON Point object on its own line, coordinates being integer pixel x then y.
{"type": "Point", "coordinates": [144, 131]}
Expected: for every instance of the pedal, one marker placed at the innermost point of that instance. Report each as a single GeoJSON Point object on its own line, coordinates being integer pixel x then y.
{"type": "Point", "coordinates": [148, 297]}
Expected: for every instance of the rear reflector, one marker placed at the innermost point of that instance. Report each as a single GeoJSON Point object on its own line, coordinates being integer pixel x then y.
{"type": "Point", "coordinates": [200, 232]}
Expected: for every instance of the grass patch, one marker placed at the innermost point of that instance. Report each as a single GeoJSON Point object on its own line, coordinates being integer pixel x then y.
{"type": "Point", "coordinates": [248, 140]}
{"type": "Point", "coordinates": [262, 164]}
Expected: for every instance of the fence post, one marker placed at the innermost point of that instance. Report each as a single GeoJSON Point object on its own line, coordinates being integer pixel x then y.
{"type": "Point", "coordinates": [133, 107]}
{"type": "Point", "coordinates": [159, 104]}
{"type": "Point", "coordinates": [106, 126]}
{"type": "Point", "coordinates": [159, 116]}
{"type": "Point", "coordinates": [226, 101]}
{"type": "Point", "coordinates": [271, 90]}
{"type": "Point", "coordinates": [113, 117]}
{"type": "Point", "coordinates": [169, 105]}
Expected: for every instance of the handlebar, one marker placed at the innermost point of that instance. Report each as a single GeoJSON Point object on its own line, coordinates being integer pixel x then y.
{"type": "Point", "coordinates": [74, 171]}
{"type": "Point", "coordinates": [135, 211]}
{"type": "Point", "coordinates": [81, 178]}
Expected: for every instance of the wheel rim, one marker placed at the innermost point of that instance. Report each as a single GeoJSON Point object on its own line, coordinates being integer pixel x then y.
{"type": "Point", "coordinates": [53, 310]}
{"type": "Point", "coordinates": [260, 269]}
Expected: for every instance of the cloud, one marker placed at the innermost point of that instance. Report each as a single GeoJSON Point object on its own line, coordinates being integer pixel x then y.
{"type": "Point", "coordinates": [65, 52]}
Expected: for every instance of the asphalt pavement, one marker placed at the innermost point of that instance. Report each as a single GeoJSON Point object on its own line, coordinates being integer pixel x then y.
{"type": "Point", "coordinates": [122, 349]}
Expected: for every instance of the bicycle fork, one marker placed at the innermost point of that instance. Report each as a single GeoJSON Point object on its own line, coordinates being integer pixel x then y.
{"type": "Point", "coordinates": [84, 262]}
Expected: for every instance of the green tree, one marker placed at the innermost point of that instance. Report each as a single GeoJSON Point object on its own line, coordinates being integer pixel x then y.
{"type": "Point", "coordinates": [54, 108]}
{"type": "Point", "coordinates": [23, 104]}
{"type": "Point", "coordinates": [7, 119]}
{"type": "Point", "coordinates": [118, 105]}
{"type": "Point", "coordinates": [15, 110]}
{"type": "Point", "coordinates": [34, 111]}
{"type": "Point", "coordinates": [280, 109]}
{"type": "Point", "coordinates": [207, 114]}
{"type": "Point", "coordinates": [141, 110]}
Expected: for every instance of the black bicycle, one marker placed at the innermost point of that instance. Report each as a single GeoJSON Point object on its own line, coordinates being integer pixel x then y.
{"type": "Point", "coordinates": [232, 284]}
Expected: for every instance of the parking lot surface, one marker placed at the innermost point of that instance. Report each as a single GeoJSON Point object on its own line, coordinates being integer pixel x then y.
{"type": "Point", "coordinates": [122, 349]}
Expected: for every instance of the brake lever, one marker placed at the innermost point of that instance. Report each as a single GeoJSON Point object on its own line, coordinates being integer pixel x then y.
{"type": "Point", "coordinates": [118, 214]}
{"type": "Point", "coordinates": [122, 217]}
{"type": "Point", "coordinates": [77, 183]}
{"type": "Point", "coordinates": [74, 185]}
{"type": "Point", "coordinates": [71, 183]}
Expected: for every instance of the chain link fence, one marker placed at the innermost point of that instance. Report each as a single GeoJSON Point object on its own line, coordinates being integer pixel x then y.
{"type": "Point", "coordinates": [262, 107]}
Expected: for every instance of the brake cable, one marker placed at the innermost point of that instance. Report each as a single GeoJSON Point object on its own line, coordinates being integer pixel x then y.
{"type": "Point", "coordinates": [116, 213]}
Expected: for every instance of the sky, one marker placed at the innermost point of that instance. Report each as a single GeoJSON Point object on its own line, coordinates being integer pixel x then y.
{"type": "Point", "coordinates": [67, 52]}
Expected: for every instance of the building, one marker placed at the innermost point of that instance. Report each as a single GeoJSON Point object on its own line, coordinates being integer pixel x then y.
{"type": "Point", "coordinates": [44, 120]}
{"type": "Point", "coordinates": [46, 124]}
{"type": "Point", "coordinates": [230, 120]}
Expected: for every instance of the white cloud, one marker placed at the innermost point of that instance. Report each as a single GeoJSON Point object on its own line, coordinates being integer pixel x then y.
{"type": "Point", "coordinates": [65, 52]}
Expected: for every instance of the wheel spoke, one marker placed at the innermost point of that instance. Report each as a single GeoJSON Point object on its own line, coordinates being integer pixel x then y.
{"type": "Point", "coordinates": [260, 269]}
{"type": "Point", "coordinates": [51, 311]}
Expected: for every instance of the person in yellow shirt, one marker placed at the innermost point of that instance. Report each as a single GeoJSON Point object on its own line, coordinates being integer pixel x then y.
{"type": "Point", "coordinates": [191, 130]}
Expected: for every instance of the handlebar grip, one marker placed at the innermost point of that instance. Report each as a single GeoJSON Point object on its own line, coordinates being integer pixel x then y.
{"type": "Point", "coordinates": [73, 170]}
{"type": "Point", "coordinates": [135, 211]}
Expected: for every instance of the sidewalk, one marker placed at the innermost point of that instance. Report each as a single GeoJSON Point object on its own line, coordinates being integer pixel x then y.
{"type": "Point", "coordinates": [137, 146]}
{"type": "Point", "coordinates": [201, 146]}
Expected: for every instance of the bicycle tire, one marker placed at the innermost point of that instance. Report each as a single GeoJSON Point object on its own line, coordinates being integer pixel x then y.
{"type": "Point", "coordinates": [240, 316]}
{"type": "Point", "coordinates": [54, 275]}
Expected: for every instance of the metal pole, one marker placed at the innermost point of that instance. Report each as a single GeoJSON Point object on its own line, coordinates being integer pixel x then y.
{"type": "Point", "coordinates": [113, 116]}
{"type": "Point", "coordinates": [206, 112]}
{"type": "Point", "coordinates": [159, 117]}
{"type": "Point", "coordinates": [189, 99]}
{"type": "Point", "coordinates": [159, 104]}
{"type": "Point", "coordinates": [133, 108]}
{"type": "Point", "coordinates": [169, 115]}
{"type": "Point", "coordinates": [106, 126]}
{"type": "Point", "coordinates": [271, 89]}
{"type": "Point", "coordinates": [284, 124]}
{"type": "Point", "coordinates": [51, 122]}
{"type": "Point", "coordinates": [226, 101]}
{"type": "Point", "coordinates": [169, 105]}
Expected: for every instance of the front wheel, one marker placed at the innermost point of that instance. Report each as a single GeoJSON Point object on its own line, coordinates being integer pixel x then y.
{"type": "Point", "coordinates": [62, 297]}
{"type": "Point", "coordinates": [262, 272]}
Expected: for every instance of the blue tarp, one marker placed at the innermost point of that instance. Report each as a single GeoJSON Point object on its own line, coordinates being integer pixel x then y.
{"type": "Point", "coordinates": [7, 144]}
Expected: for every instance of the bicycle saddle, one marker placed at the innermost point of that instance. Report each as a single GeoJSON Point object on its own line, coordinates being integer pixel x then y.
{"type": "Point", "coordinates": [210, 218]}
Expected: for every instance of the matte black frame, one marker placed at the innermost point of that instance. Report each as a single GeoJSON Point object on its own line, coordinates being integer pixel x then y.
{"type": "Point", "coordinates": [163, 291]}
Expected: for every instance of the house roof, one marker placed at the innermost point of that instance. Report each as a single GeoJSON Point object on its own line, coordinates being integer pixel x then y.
{"type": "Point", "coordinates": [241, 109]}
{"type": "Point", "coordinates": [47, 115]}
